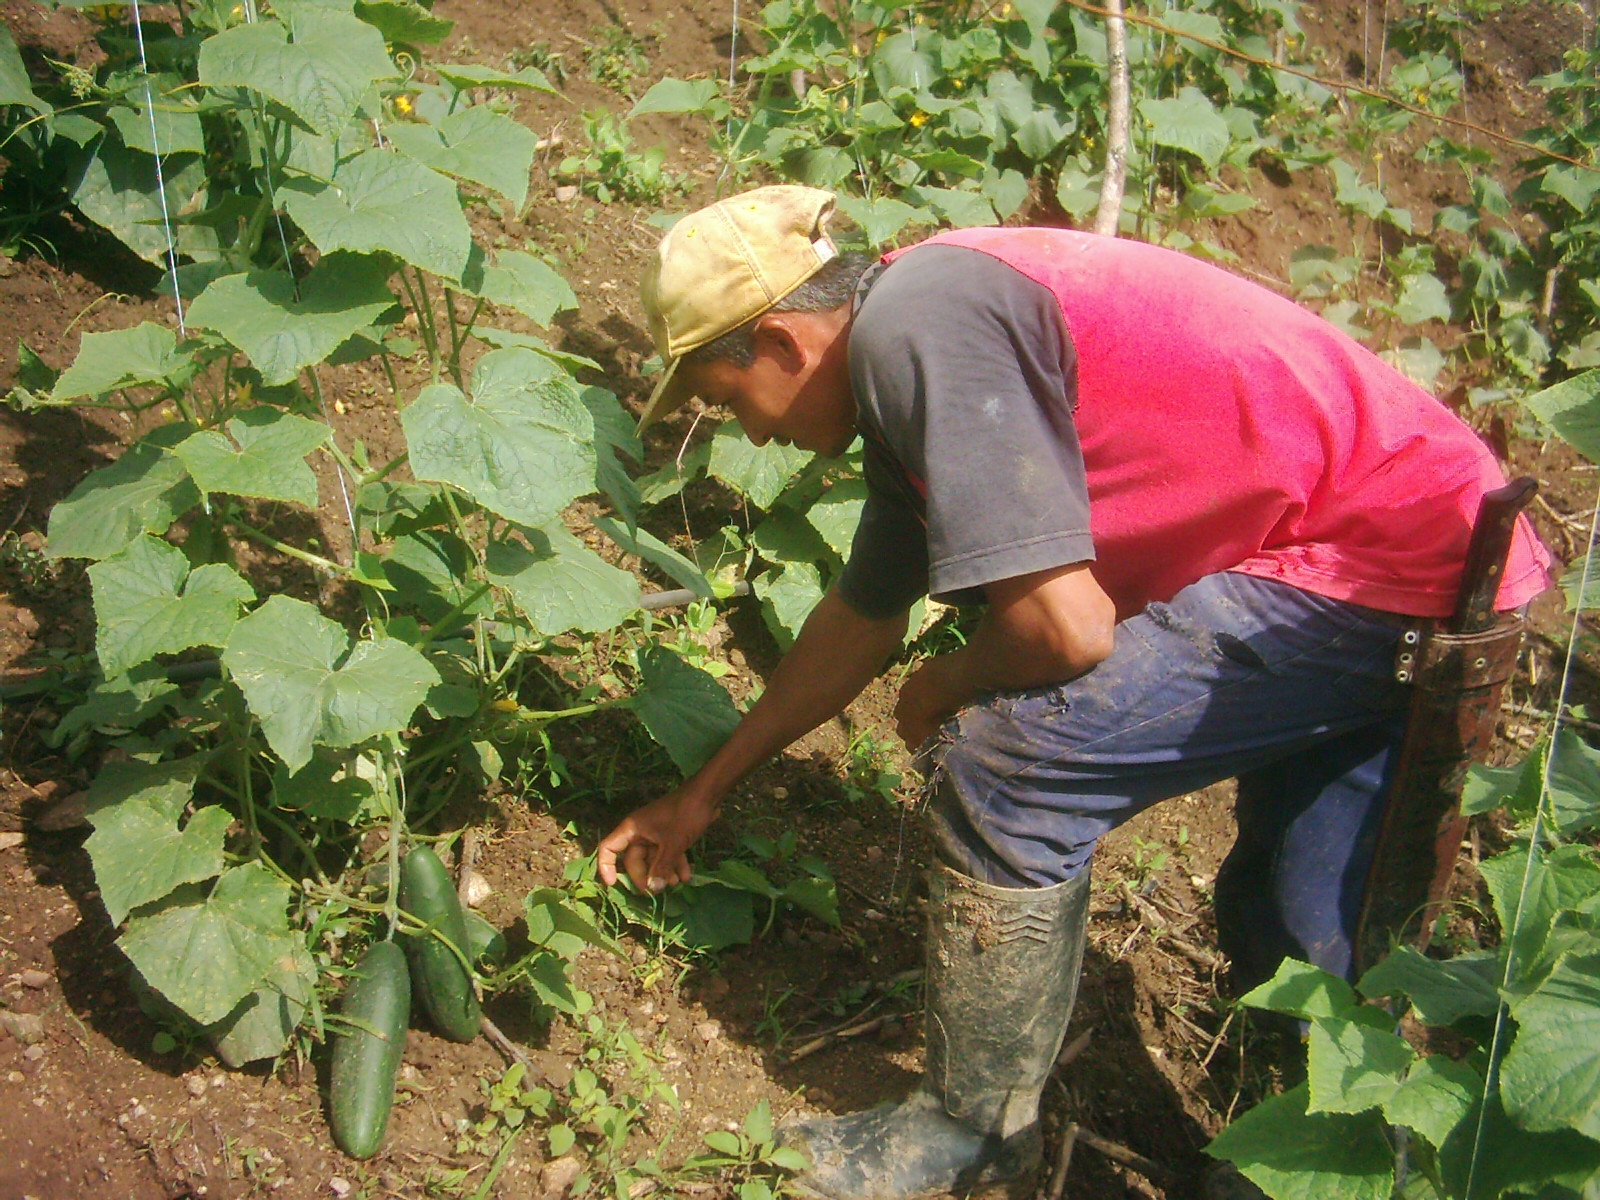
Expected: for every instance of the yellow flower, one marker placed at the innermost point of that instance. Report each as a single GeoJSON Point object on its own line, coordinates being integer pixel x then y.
{"type": "Point", "coordinates": [918, 118]}
{"type": "Point", "coordinates": [402, 105]}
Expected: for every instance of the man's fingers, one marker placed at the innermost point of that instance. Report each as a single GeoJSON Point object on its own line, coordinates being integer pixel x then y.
{"type": "Point", "coordinates": [636, 862]}
{"type": "Point", "coordinates": [605, 860]}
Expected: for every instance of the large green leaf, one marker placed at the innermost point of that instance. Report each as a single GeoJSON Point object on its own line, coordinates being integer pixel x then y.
{"type": "Point", "coordinates": [1355, 1064]}
{"type": "Point", "coordinates": [519, 281]}
{"type": "Point", "coordinates": [522, 444]}
{"type": "Point", "coordinates": [307, 687]}
{"type": "Point", "coordinates": [559, 584]}
{"type": "Point", "coordinates": [139, 851]}
{"type": "Point", "coordinates": [678, 96]}
{"type": "Point", "coordinates": [683, 707]}
{"type": "Point", "coordinates": [176, 126]}
{"type": "Point", "coordinates": [787, 598]}
{"type": "Point", "coordinates": [15, 86]}
{"type": "Point", "coordinates": [881, 217]}
{"type": "Point", "coordinates": [473, 143]}
{"type": "Point", "coordinates": [468, 75]}
{"type": "Point", "coordinates": [1293, 1155]}
{"type": "Point", "coordinates": [1442, 992]}
{"type": "Point", "coordinates": [760, 473]}
{"type": "Point", "coordinates": [147, 602]}
{"type": "Point", "coordinates": [383, 201]}
{"type": "Point", "coordinates": [283, 326]}
{"type": "Point", "coordinates": [1530, 898]}
{"type": "Point", "coordinates": [1574, 778]}
{"type": "Point", "coordinates": [320, 76]}
{"type": "Point", "coordinates": [263, 454]}
{"type": "Point", "coordinates": [1435, 1098]}
{"type": "Point", "coordinates": [404, 21]}
{"type": "Point", "coordinates": [1188, 122]}
{"type": "Point", "coordinates": [1301, 990]}
{"type": "Point", "coordinates": [1551, 1078]}
{"type": "Point", "coordinates": [1500, 1156]}
{"type": "Point", "coordinates": [118, 192]}
{"type": "Point", "coordinates": [147, 353]}
{"type": "Point", "coordinates": [837, 512]}
{"type": "Point", "coordinates": [144, 491]}
{"type": "Point", "coordinates": [260, 1025]}
{"type": "Point", "coordinates": [208, 954]}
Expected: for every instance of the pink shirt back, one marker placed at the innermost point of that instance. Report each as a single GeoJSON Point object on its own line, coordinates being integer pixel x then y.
{"type": "Point", "coordinates": [1226, 428]}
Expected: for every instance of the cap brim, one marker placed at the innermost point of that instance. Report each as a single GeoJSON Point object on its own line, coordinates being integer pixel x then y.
{"type": "Point", "coordinates": [671, 393]}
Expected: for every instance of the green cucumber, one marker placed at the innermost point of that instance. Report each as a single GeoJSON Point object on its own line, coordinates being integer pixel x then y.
{"type": "Point", "coordinates": [367, 1054]}
{"type": "Point", "coordinates": [438, 976]}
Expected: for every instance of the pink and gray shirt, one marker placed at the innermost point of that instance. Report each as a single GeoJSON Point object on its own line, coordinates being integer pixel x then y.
{"type": "Point", "coordinates": [1037, 397]}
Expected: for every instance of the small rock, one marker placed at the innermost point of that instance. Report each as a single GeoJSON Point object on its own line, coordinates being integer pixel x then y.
{"type": "Point", "coordinates": [33, 1053]}
{"type": "Point", "coordinates": [66, 813]}
{"type": "Point", "coordinates": [708, 1031]}
{"type": "Point", "coordinates": [195, 1084]}
{"type": "Point", "coordinates": [15, 1077]}
{"type": "Point", "coordinates": [340, 1186]}
{"type": "Point", "coordinates": [564, 193]}
{"type": "Point", "coordinates": [27, 1028]}
{"type": "Point", "coordinates": [780, 793]}
{"type": "Point", "coordinates": [557, 1177]}
{"type": "Point", "coordinates": [218, 1080]}
{"type": "Point", "coordinates": [475, 889]}
{"type": "Point", "coordinates": [10, 840]}
{"type": "Point", "coordinates": [33, 978]}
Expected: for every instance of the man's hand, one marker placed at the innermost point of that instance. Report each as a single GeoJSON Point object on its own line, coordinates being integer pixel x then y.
{"type": "Point", "coordinates": [1045, 627]}
{"type": "Point", "coordinates": [926, 701]}
{"type": "Point", "coordinates": [653, 841]}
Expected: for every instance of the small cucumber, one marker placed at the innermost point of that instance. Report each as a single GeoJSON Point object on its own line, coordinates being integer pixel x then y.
{"type": "Point", "coordinates": [440, 979]}
{"type": "Point", "coordinates": [367, 1054]}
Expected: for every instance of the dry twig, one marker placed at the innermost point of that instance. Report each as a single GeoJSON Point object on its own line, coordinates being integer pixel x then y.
{"type": "Point", "coordinates": [1149, 1168]}
{"type": "Point", "coordinates": [1058, 1177]}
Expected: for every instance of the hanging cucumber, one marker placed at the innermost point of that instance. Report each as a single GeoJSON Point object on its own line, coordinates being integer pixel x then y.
{"type": "Point", "coordinates": [440, 978]}
{"type": "Point", "coordinates": [377, 1005]}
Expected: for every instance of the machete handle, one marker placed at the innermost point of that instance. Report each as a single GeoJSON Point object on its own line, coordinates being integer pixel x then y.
{"type": "Point", "coordinates": [1486, 554]}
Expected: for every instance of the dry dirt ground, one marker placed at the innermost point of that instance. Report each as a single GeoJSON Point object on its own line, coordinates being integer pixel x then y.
{"type": "Point", "coordinates": [90, 1108]}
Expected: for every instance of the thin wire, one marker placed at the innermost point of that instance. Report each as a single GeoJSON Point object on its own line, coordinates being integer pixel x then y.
{"type": "Point", "coordinates": [161, 183]}
{"type": "Point", "coordinates": [1534, 832]}
{"type": "Point", "coordinates": [733, 59]}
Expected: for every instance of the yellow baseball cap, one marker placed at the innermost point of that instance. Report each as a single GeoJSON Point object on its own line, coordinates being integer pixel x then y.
{"type": "Point", "coordinates": [722, 265]}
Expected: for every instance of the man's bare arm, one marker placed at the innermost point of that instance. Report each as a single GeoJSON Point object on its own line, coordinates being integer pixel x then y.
{"type": "Point", "coordinates": [1040, 628]}
{"type": "Point", "coordinates": [837, 654]}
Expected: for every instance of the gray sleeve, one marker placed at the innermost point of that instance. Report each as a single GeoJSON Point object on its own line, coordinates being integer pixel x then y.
{"type": "Point", "coordinates": [964, 368]}
{"type": "Point", "coordinates": [887, 571]}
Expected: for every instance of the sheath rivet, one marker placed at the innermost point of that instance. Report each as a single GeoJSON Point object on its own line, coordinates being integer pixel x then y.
{"type": "Point", "coordinates": [1480, 663]}
{"type": "Point", "coordinates": [1411, 637]}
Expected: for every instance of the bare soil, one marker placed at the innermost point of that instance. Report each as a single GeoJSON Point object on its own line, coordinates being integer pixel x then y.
{"type": "Point", "coordinates": [89, 1108]}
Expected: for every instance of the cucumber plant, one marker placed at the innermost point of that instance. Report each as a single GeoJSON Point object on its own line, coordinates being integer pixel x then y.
{"type": "Point", "coordinates": [1513, 1108]}
{"type": "Point", "coordinates": [273, 695]}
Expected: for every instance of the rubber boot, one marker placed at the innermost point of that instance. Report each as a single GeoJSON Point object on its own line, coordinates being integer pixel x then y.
{"type": "Point", "coordinates": [1002, 973]}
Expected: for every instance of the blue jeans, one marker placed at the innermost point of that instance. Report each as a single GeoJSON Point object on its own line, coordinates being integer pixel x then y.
{"type": "Point", "coordinates": [1291, 692]}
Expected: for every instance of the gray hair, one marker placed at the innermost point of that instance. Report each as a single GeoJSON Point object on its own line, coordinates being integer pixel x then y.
{"type": "Point", "coordinates": [830, 288]}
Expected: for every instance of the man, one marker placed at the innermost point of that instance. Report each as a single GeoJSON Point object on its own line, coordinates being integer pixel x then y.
{"type": "Point", "coordinates": [1199, 518]}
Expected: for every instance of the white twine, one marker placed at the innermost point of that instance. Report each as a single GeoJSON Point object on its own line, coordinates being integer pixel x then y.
{"type": "Point", "coordinates": [161, 183]}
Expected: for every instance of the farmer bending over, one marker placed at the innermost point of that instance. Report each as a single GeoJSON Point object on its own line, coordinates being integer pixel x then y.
{"type": "Point", "coordinates": [1198, 518]}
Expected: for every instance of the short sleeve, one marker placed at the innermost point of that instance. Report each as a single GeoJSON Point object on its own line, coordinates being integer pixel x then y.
{"type": "Point", "coordinates": [964, 370]}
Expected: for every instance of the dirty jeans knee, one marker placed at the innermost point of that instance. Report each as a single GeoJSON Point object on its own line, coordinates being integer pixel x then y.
{"type": "Point", "coordinates": [984, 823]}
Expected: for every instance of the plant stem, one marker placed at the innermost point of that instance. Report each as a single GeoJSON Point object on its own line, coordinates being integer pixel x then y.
{"type": "Point", "coordinates": [305, 556]}
{"type": "Point", "coordinates": [433, 332]}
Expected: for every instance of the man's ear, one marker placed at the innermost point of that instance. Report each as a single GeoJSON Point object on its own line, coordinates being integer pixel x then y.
{"type": "Point", "coordinates": [780, 335]}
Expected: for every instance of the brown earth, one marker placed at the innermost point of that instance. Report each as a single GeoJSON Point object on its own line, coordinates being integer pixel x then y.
{"type": "Point", "coordinates": [88, 1106]}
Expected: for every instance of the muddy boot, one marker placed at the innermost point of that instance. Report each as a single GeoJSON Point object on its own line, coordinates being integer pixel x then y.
{"type": "Point", "coordinates": [1002, 972]}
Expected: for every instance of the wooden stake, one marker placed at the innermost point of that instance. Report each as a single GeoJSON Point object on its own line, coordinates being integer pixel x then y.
{"type": "Point", "coordinates": [1109, 213]}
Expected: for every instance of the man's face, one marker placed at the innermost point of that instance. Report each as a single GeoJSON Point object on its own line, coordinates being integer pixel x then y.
{"type": "Point", "coordinates": [795, 392]}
